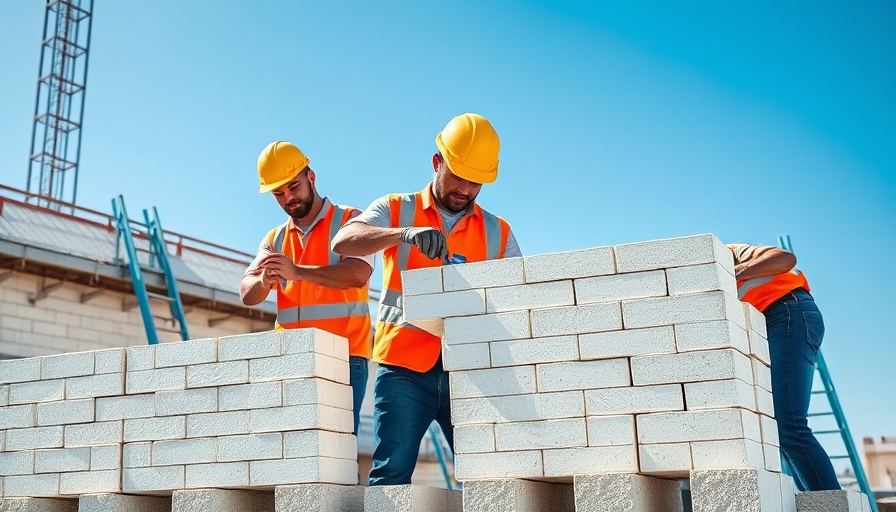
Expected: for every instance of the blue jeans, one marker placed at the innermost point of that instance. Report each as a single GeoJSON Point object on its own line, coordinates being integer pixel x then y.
{"type": "Point", "coordinates": [405, 404]}
{"type": "Point", "coordinates": [795, 331]}
{"type": "Point", "coordinates": [358, 371]}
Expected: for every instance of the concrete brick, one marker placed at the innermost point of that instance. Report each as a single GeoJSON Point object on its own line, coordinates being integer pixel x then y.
{"type": "Point", "coordinates": [84, 482]}
{"type": "Point", "coordinates": [30, 485]}
{"type": "Point", "coordinates": [17, 463]}
{"type": "Point", "coordinates": [762, 375]}
{"type": "Point", "coordinates": [611, 430]}
{"type": "Point", "coordinates": [251, 396]}
{"type": "Point", "coordinates": [421, 281]}
{"type": "Point", "coordinates": [529, 296]}
{"type": "Point", "coordinates": [701, 278]}
{"type": "Point", "coordinates": [691, 367]}
{"type": "Point", "coordinates": [409, 498]}
{"type": "Point", "coordinates": [122, 503]}
{"type": "Point", "coordinates": [18, 416]}
{"type": "Point", "coordinates": [183, 451]}
{"type": "Point", "coordinates": [687, 426]}
{"type": "Point", "coordinates": [769, 429]}
{"type": "Point", "coordinates": [317, 391]}
{"type": "Point", "coordinates": [567, 462]}
{"type": "Point", "coordinates": [576, 319]}
{"type": "Point", "coordinates": [627, 343]}
{"type": "Point", "coordinates": [75, 364]}
{"type": "Point", "coordinates": [34, 438]}
{"type": "Point", "coordinates": [536, 435]}
{"type": "Point", "coordinates": [711, 335]}
{"type": "Point", "coordinates": [156, 428]}
{"type": "Point", "coordinates": [156, 478]}
{"type": "Point", "coordinates": [444, 305]}
{"type": "Point", "coordinates": [4, 395]}
{"type": "Point", "coordinates": [534, 350]}
{"type": "Point", "coordinates": [626, 492]}
{"type": "Point", "coordinates": [513, 495]}
{"type": "Point", "coordinates": [728, 454]}
{"type": "Point", "coordinates": [605, 373]}
{"type": "Point", "coordinates": [748, 490]}
{"type": "Point", "coordinates": [477, 438]}
{"type": "Point", "coordinates": [109, 361]}
{"type": "Point", "coordinates": [61, 459]}
{"type": "Point", "coordinates": [136, 455]}
{"type": "Point", "coordinates": [672, 252]}
{"type": "Point", "coordinates": [186, 353]}
{"type": "Point", "coordinates": [105, 457]}
{"type": "Point", "coordinates": [320, 497]}
{"type": "Point", "coordinates": [772, 456]}
{"type": "Point", "coordinates": [671, 460]}
{"type": "Point", "coordinates": [218, 374]}
{"type": "Point", "coordinates": [122, 407]}
{"type": "Point", "coordinates": [764, 402]}
{"type": "Point", "coordinates": [755, 320]}
{"type": "Point", "coordinates": [110, 384]}
{"type": "Point", "coordinates": [65, 411]}
{"type": "Point", "coordinates": [19, 370]}
{"type": "Point", "coordinates": [478, 466]}
{"type": "Point", "coordinates": [301, 341]}
{"type": "Point", "coordinates": [469, 356]}
{"type": "Point", "coordinates": [620, 287]}
{"type": "Point", "coordinates": [92, 434]}
{"type": "Point", "coordinates": [719, 394]}
{"type": "Point", "coordinates": [492, 327]}
{"type": "Point", "coordinates": [558, 266]}
{"type": "Point", "coordinates": [249, 346]}
{"type": "Point", "coordinates": [305, 470]}
{"type": "Point", "coordinates": [140, 358]}
{"type": "Point", "coordinates": [150, 381]}
{"type": "Point", "coordinates": [483, 274]}
{"type": "Point", "coordinates": [527, 407]}
{"type": "Point", "coordinates": [249, 447]}
{"type": "Point", "coordinates": [189, 401]}
{"type": "Point", "coordinates": [296, 366]}
{"type": "Point", "coordinates": [319, 443]}
{"type": "Point", "coordinates": [788, 495]}
{"type": "Point", "coordinates": [680, 309]}
{"type": "Point", "coordinates": [222, 474]}
{"type": "Point", "coordinates": [514, 380]}
{"type": "Point", "coordinates": [221, 500]}
{"type": "Point", "coordinates": [218, 424]}
{"type": "Point", "coordinates": [38, 391]}
{"type": "Point", "coordinates": [759, 347]}
{"type": "Point", "coordinates": [632, 400]}
{"type": "Point", "coordinates": [37, 505]}
{"type": "Point", "coordinates": [300, 417]}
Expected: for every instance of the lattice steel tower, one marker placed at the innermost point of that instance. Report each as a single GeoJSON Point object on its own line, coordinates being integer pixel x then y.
{"type": "Point", "coordinates": [59, 106]}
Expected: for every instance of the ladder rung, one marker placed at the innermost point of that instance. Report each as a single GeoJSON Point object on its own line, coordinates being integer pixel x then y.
{"type": "Point", "coordinates": [819, 392]}
{"type": "Point", "coordinates": [165, 318]}
{"type": "Point", "coordinates": [838, 457]}
{"type": "Point", "coordinates": [160, 296]}
{"type": "Point", "coordinates": [814, 414]}
{"type": "Point", "coordinates": [166, 329]}
{"type": "Point", "coordinates": [835, 431]}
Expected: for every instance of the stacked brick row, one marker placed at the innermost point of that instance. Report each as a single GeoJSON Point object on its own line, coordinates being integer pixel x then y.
{"type": "Point", "coordinates": [637, 358]}
{"type": "Point", "coordinates": [233, 412]}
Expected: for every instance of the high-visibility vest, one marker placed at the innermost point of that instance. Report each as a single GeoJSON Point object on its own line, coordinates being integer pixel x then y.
{"type": "Point", "coordinates": [301, 304]}
{"type": "Point", "coordinates": [761, 292]}
{"type": "Point", "coordinates": [477, 236]}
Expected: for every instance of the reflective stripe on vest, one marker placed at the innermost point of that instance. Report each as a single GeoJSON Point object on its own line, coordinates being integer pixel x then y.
{"type": "Point", "coordinates": [407, 210]}
{"type": "Point", "coordinates": [749, 284]}
{"type": "Point", "coordinates": [492, 235]}
{"type": "Point", "coordinates": [322, 312]}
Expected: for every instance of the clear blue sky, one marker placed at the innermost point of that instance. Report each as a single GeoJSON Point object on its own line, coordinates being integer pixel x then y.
{"type": "Point", "coordinates": [620, 122]}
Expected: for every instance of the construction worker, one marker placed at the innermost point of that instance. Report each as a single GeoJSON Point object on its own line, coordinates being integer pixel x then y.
{"type": "Point", "coordinates": [442, 224]}
{"type": "Point", "coordinates": [767, 279]}
{"type": "Point", "coordinates": [315, 287]}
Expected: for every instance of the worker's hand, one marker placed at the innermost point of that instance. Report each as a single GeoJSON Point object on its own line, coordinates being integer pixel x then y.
{"type": "Point", "coordinates": [268, 278]}
{"type": "Point", "coordinates": [279, 266]}
{"type": "Point", "coordinates": [430, 241]}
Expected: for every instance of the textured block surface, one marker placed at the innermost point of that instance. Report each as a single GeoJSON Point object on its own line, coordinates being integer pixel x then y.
{"type": "Point", "coordinates": [409, 498]}
{"type": "Point", "coordinates": [626, 492]}
{"type": "Point", "coordinates": [38, 505]}
{"type": "Point", "coordinates": [513, 495]}
{"type": "Point", "coordinates": [123, 503]}
{"type": "Point", "coordinates": [201, 500]}
{"type": "Point", "coordinates": [845, 500]}
{"type": "Point", "coordinates": [319, 498]}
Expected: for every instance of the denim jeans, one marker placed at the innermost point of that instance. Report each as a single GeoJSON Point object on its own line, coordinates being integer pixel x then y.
{"type": "Point", "coordinates": [405, 404]}
{"type": "Point", "coordinates": [795, 331]}
{"type": "Point", "coordinates": [358, 372]}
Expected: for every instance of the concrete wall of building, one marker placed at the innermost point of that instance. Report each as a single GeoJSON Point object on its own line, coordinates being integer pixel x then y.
{"type": "Point", "coordinates": [880, 457]}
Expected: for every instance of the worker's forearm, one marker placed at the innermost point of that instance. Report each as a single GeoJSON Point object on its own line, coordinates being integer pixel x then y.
{"type": "Point", "coordinates": [770, 263]}
{"type": "Point", "coordinates": [253, 290]}
{"type": "Point", "coordinates": [344, 275]}
{"type": "Point", "coordinates": [359, 239]}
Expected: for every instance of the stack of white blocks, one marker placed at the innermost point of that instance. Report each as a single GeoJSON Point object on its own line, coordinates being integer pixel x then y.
{"type": "Point", "coordinates": [637, 358]}
{"type": "Point", "coordinates": [249, 411]}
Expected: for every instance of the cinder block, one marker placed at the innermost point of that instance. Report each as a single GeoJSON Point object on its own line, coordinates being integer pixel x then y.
{"type": "Point", "coordinates": [605, 373]}
{"type": "Point", "coordinates": [672, 460]}
{"type": "Point", "coordinates": [122, 407]}
{"type": "Point", "coordinates": [30, 485]}
{"type": "Point", "coordinates": [189, 401]}
{"type": "Point", "coordinates": [4, 395]}
{"type": "Point", "coordinates": [691, 367]}
{"type": "Point", "coordinates": [748, 490]}
{"type": "Point", "coordinates": [537, 435]}
{"type": "Point", "coordinates": [218, 424]}
{"type": "Point", "coordinates": [769, 428]}
{"type": "Point", "coordinates": [476, 438]}
{"type": "Point", "coordinates": [249, 447]}
{"type": "Point", "coordinates": [320, 497]}
{"type": "Point", "coordinates": [772, 456]}
{"type": "Point", "coordinates": [122, 503]}
{"type": "Point", "coordinates": [759, 347]}
{"type": "Point", "coordinates": [492, 327]}
{"type": "Point", "coordinates": [755, 320]}
{"type": "Point", "coordinates": [136, 455]}
{"type": "Point", "coordinates": [34, 438]}
{"type": "Point", "coordinates": [65, 411]}
{"type": "Point", "coordinates": [253, 396]}
{"type": "Point", "coordinates": [17, 463]}
{"type": "Point", "coordinates": [788, 495]}
{"type": "Point", "coordinates": [444, 305]}
{"type": "Point", "coordinates": [611, 430]}
{"type": "Point", "coordinates": [157, 428]}
{"type": "Point", "coordinates": [681, 309]}
{"type": "Point", "coordinates": [61, 459]}
{"type": "Point", "coordinates": [38, 505]}
{"type": "Point", "coordinates": [514, 495]}
{"type": "Point", "coordinates": [764, 402]}
{"type": "Point", "coordinates": [67, 365]}
{"type": "Point", "coordinates": [727, 454]}
{"type": "Point", "coordinates": [673, 252]}
{"type": "Point", "coordinates": [105, 457]}
{"type": "Point", "coordinates": [155, 478]}
{"type": "Point", "coordinates": [687, 426]}
{"type": "Point", "coordinates": [297, 366]}
{"type": "Point", "coordinates": [249, 346]}
{"type": "Point", "coordinates": [701, 278]}
{"type": "Point", "coordinates": [19, 370]}
{"type": "Point", "coordinates": [558, 266]}
{"type": "Point", "coordinates": [319, 443]}
{"type": "Point", "coordinates": [109, 361]}
{"type": "Point", "coordinates": [711, 335]}
{"type": "Point", "coordinates": [567, 462]}
{"type": "Point", "coordinates": [421, 281]}
{"type": "Point", "coordinates": [183, 451]}
{"type": "Point", "coordinates": [762, 375]}
{"type": "Point", "coordinates": [479, 466]}
{"type": "Point", "coordinates": [186, 353]}
{"type": "Point", "coordinates": [218, 374]}
{"type": "Point", "coordinates": [718, 394]}
{"type": "Point", "coordinates": [222, 474]}
{"type": "Point", "coordinates": [576, 319]}
{"type": "Point", "coordinates": [300, 417]}
{"type": "Point", "coordinates": [302, 471]}
{"type": "Point", "coordinates": [529, 296]}
{"type": "Point", "coordinates": [633, 400]}
{"type": "Point", "coordinates": [85, 482]}
{"type": "Point", "coordinates": [221, 500]}
{"type": "Point", "coordinates": [626, 492]}
{"type": "Point", "coordinates": [109, 384]}
{"type": "Point", "coordinates": [317, 391]}
{"type": "Point", "coordinates": [18, 416]}
{"type": "Point", "coordinates": [532, 351]}
{"type": "Point", "coordinates": [469, 356]}
{"type": "Point", "coordinates": [150, 381]}
{"type": "Point", "coordinates": [514, 380]}
{"type": "Point", "coordinates": [483, 274]}
{"type": "Point", "coordinates": [527, 407]}
{"type": "Point", "coordinates": [92, 434]}
{"type": "Point", "coordinates": [38, 391]}
{"type": "Point", "coordinates": [620, 287]}
{"type": "Point", "coordinates": [301, 341]}
{"type": "Point", "coordinates": [141, 357]}
{"type": "Point", "coordinates": [627, 343]}
{"type": "Point", "coordinates": [409, 498]}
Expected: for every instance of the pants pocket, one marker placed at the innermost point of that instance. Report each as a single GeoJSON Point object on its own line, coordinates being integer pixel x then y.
{"type": "Point", "coordinates": [814, 328]}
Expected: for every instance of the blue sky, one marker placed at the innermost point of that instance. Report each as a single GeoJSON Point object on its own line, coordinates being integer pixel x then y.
{"type": "Point", "coordinates": [620, 122]}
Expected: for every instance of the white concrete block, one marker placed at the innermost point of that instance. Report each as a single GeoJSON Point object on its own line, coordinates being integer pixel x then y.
{"type": "Point", "coordinates": [109, 361]}
{"type": "Point", "coordinates": [34, 438]}
{"type": "Point", "coordinates": [534, 350]}
{"type": "Point", "coordinates": [84, 482]}
{"type": "Point", "coordinates": [250, 447]}
{"type": "Point", "coordinates": [92, 434]}
{"type": "Point", "coordinates": [727, 454]}
{"type": "Point", "coordinates": [483, 274]}
{"type": "Point", "coordinates": [620, 287]}
{"type": "Point", "coordinates": [38, 391]}
{"type": "Point", "coordinates": [141, 357]}
{"type": "Point", "coordinates": [611, 430]}
{"type": "Point", "coordinates": [223, 474]}
{"type": "Point", "coordinates": [31, 485]}
{"type": "Point", "coordinates": [150, 381]}
{"type": "Point", "coordinates": [529, 296]}
{"type": "Point", "coordinates": [701, 278]}
{"type": "Point", "coordinates": [123, 503]}
{"type": "Point", "coordinates": [22, 463]}
{"type": "Point", "coordinates": [296, 366]}
{"type": "Point", "coordinates": [633, 400]}
{"type": "Point", "coordinates": [759, 347]}
{"type": "Point", "coordinates": [122, 407]}
{"type": "Point", "coordinates": [300, 417]}
{"type": "Point", "coordinates": [680, 309]}
{"type": "Point", "coordinates": [687, 426]}
{"type": "Point", "coordinates": [65, 411]}
{"type": "Point", "coordinates": [537, 435]}
{"type": "Point", "coordinates": [626, 492]}
{"type": "Point", "coordinates": [762, 374]}
{"type": "Point", "coordinates": [764, 402]}
{"type": "Point", "coordinates": [627, 343]}
{"type": "Point", "coordinates": [492, 327]}
{"type": "Point", "coordinates": [515, 495]}
{"type": "Point", "coordinates": [444, 305]}
{"type": "Point", "coordinates": [755, 320]}
{"type": "Point", "coordinates": [844, 500]}
{"type": "Point", "coordinates": [4, 395]}
{"type": "Point", "coordinates": [772, 456]}
{"type": "Point", "coordinates": [105, 457]}
{"type": "Point", "coordinates": [568, 376]}
{"type": "Point", "coordinates": [718, 394]}
{"type": "Point", "coordinates": [304, 470]}
{"type": "Point", "coordinates": [67, 365]}
{"type": "Point", "coordinates": [156, 478]}
{"type": "Point", "coordinates": [249, 346]}
{"type": "Point", "coordinates": [109, 384]}
{"type": "Point", "coordinates": [691, 367]}
{"type": "Point", "coordinates": [251, 396]}
{"type": "Point", "coordinates": [527, 407]}
{"type": "Point", "coordinates": [590, 461]}
{"type": "Point", "coordinates": [558, 266]}
{"type": "Point", "coordinates": [136, 455]}
{"type": "Point", "coordinates": [515, 380]}
{"type": "Point", "coordinates": [319, 443]}
{"type": "Point", "coordinates": [769, 429]}
{"type": "Point", "coordinates": [152, 429]}
{"type": "Point", "coordinates": [301, 341]}
{"type": "Point", "coordinates": [469, 356]}
{"type": "Point", "coordinates": [189, 401]}
{"type": "Point", "coordinates": [576, 319]}
{"type": "Point", "coordinates": [58, 460]}
{"type": "Point", "coordinates": [218, 374]}
{"type": "Point", "coordinates": [478, 466]}
{"type": "Point", "coordinates": [38, 504]}
{"type": "Point", "coordinates": [319, 497]}
{"type": "Point", "coordinates": [19, 370]}
{"type": "Point", "coordinates": [183, 451]}
{"type": "Point", "coordinates": [477, 438]}
{"type": "Point", "coordinates": [672, 460]}
{"type": "Point", "coordinates": [186, 353]}
{"type": "Point", "coordinates": [672, 252]}
{"type": "Point", "coordinates": [711, 335]}
{"type": "Point", "coordinates": [218, 424]}
{"type": "Point", "coordinates": [421, 281]}
{"type": "Point", "coordinates": [18, 416]}
{"type": "Point", "coordinates": [317, 391]}
{"type": "Point", "coordinates": [747, 490]}
{"type": "Point", "coordinates": [221, 500]}
{"type": "Point", "coordinates": [411, 498]}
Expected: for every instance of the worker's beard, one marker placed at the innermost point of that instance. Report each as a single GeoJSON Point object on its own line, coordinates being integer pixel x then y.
{"type": "Point", "coordinates": [299, 208]}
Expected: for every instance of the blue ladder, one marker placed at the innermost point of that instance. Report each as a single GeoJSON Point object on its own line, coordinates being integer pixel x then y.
{"type": "Point", "coordinates": [158, 253]}
{"type": "Point", "coordinates": [440, 453]}
{"type": "Point", "coordinates": [836, 411]}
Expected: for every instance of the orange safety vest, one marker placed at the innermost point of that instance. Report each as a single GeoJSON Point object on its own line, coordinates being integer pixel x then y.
{"type": "Point", "coordinates": [301, 304]}
{"type": "Point", "coordinates": [761, 292]}
{"type": "Point", "coordinates": [477, 236]}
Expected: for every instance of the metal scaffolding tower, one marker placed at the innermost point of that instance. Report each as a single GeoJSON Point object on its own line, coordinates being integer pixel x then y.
{"type": "Point", "coordinates": [59, 106]}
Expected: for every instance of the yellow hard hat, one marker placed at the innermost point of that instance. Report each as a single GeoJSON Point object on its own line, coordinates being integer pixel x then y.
{"type": "Point", "coordinates": [470, 147]}
{"type": "Point", "coordinates": [278, 164]}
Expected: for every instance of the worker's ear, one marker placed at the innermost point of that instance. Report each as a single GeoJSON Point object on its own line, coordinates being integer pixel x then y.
{"type": "Point", "coordinates": [436, 160]}
{"type": "Point", "coordinates": [311, 176]}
